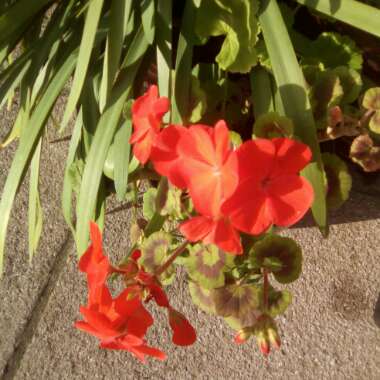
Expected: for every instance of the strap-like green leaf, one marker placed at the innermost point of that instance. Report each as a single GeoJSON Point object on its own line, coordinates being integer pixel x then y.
{"type": "Point", "coordinates": [35, 211]}
{"type": "Point", "coordinates": [291, 86]}
{"type": "Point", "coordinates": [121, 153]}
{"type": "Point", "coordinates": [352, 12]}
{"type": "Point", "coordinates": [88, 38]}
{"type": "Point", "coordinates": [67, 181]}
{"type": "Point", "coordinates": [16, 16]}
{"type": "Point", "coordinates": [102, 140]}
{"type": "Point", "coordinates": [119, 14]}
{"type": "Point", "coordinates": [147, 18]}
{"type": "Point", "coordinates": [164, 49]}
{"type": "Point", "coordinates": [182, 81]}
{"type": "Point", "coordinates": [28, 141]}
{"type": "Point", "coordinates": [262, 91]}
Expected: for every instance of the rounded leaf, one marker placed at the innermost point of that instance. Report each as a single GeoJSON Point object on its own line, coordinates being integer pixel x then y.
{"type": "Point", "coordinates": [374, 123]}
{"type": "Point", "coordinates": [339, 180]}
{"type": "Point", "coordinates": [271, 125]}
{"type": "Point", "coordinates": [371, 99]}
{"type": "Point", "coordinates": [365, 153]}
{"type": "Point", "coordinates": [202, 297]}
{"type": "Point", "coordinates": [281, 255]}
{"type": "Point", "coordinates": [206, 265]}
{"type": "Point", "coordinates": [278, 302]}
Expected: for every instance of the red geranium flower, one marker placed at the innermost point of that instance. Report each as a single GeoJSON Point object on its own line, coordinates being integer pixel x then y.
{"type": "Point", "coordinates": [119, 323]}
{"type": "Point", "coordinates": [270, 189]}
{"type": "Point", "coordinates": [147, 113]}
{"type": "Point", "coordinates": [209, 166]}
{"type": "Point", "coordinates": [95, 264]}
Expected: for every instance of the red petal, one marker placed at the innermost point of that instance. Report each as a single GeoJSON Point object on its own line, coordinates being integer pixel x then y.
{"type": "Point", "coordinates": [183, 333]}
{"type": "Point", "coordinates": [291, 156]}
{"type": "Point", "coordinates": [290, 198]}
{"type": "Point", "coordinates": [159, 295]}
{"type": "Point", "coordinates": [165, 157]}
{"type": "Point", "coordinates": [196, 228]}
{"type": "Point", "coordinates": [99, 322]}
{"type": "Point", "coordinates": [143, 148]}
{"type": "Point", "coordinates": [225, 237]}
{"type": "Point", "coordinates": [247, 208]}
{"type": "Point", "coordinates": [256, 159]}
{"type": "Point", "coordinates": [139, 322]}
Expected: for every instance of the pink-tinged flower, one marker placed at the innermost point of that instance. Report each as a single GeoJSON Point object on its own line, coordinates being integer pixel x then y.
{"type": "Point", "coordinates": [270, 189]}
{"type": "Point", "coordinates": [217, 231]}
{"type": "Point", "coordinates": [147, 113]}
{"type": "Point", "coordinates": [95, 264]}
{"type": "Point", "coordinates": [119, 323]}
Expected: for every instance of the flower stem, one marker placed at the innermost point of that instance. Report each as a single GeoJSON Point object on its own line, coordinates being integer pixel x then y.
{"type": "Point", "coordinates": [266, 289]}
{"type": "Point", "coordinates": [170, 260]}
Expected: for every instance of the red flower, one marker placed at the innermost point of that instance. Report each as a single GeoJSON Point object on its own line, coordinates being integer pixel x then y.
{"type": "Point", "coordinates": [95, 264]}
{"type": "Point", "coordinates": [119, 323]}
{"type": "Point", "coordinates": [147, 113]}
{"type": "Point", "coordinates": [270, 189]}
{"type": "Point", "coordinates": [209, 166]}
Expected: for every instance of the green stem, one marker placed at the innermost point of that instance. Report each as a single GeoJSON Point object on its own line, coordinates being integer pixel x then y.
{"type": "Point", "coordinates": [170, 260]}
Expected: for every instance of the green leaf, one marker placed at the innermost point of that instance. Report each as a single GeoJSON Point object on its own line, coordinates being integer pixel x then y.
{"type": "Point", "coordinates": [155, 252]}
{"type": "Point", "coordinates": [198, 100]}
{"type": "Point", "coordinates": [291, 85]}
{"type": "Point", "coordinates": [365, 153]}
{"type": "Point", "coordinates": [147, 18]}
{"type": "Point", "coordinates": [352, 12]}
{"type": "Point", "coordinates": [173, 203]}
{"type": "Point", "coordinates": [182, 81]}
{"type": "Point", "coordinates": [97, 155]}
{"type": "Point", "coordinates": [278, 302]}
{"type": "Point", "coordinates": [164, 49]}
{"type": "Point", "coordinates": [121, 153]}
{"type": "Point", "coordinates": [271, 125]}
{"type": "Point", "coordinates": [351, 82]}
{"type": "Point", "coordinates": [238, 22]}
{"type": "Point", "coordinates": [206, 265]}
{"type": "Point", "coordinates": [284, 253]}
{"type": "Point", "coordinates": [119, 15]}
{"type": "Point", "coordinates": [202, 297]}
{"type": "Point", "coordinates": [262, 91]}
{"type": "Point", "coordinates": [239, 304]}
{"type": "Point", "coordinates": [15, 18]}
{"type": "Point", "coordinates": [35, 211]}
{"type": "Point", "coordinates": [27, 143]}
{"type": "Point", "coordinates": [68, 185]}
{"type": "Point", "coordinates": [339, 181]}
{"type": "Point", "coordinates": [325, 93]}
{"type": "Point", "coordinates": [149, 203]}
{"type": "Point", "coordinates": [88, 37]}
{"type": "Point", "coordinates": [374, 122]}
{"type": "Point", "coordinates": [332, 50]}
{"type": "Point", "coordinates": [371, 99]}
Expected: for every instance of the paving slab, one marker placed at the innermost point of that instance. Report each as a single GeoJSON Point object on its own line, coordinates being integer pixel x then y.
{"type": "Point", "coordinates": [23, 284]}
{"type": "Point", "coordinates": [329, 332]}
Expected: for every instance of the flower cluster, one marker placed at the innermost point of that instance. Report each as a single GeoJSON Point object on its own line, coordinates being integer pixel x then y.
{"type": "Point", "coordinates": [122, 322]}
{"type": "Point", "coordinates": [247, 189]}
